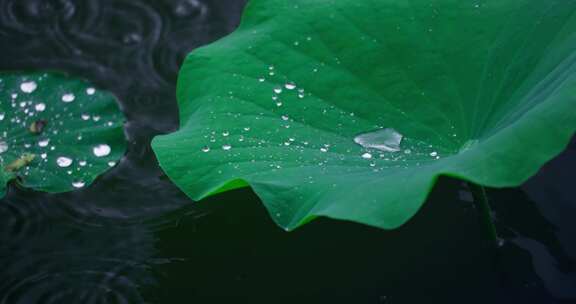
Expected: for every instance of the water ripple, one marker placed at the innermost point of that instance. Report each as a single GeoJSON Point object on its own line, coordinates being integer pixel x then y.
{"type": "Point", "coordinates": [96, 245]}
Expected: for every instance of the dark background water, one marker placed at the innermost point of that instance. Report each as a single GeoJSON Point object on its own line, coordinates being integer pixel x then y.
{"type": "Point", "coordinates": [133, 237]}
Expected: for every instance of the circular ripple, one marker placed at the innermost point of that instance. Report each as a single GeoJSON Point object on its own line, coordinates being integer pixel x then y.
{"type": "Point", "coordinates": [23, 218]}
{"type": "Point", "coordinates": [81, 286]}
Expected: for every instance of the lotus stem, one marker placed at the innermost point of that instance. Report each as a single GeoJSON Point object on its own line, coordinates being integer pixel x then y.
{"type": "Point", "coordinates": [485, 212]}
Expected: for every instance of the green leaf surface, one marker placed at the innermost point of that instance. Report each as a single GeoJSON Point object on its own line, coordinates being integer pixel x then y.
{"type": "Point", "coordinates": [71, 131]}
{"type": "Point", "coordinates": [479, 90]}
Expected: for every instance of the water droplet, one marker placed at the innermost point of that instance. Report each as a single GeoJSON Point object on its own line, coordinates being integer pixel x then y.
{"type": "Point", "coordinates": [63, 161]}
{"type": "Point", "coordinates": [278, 90]}
{"type": "Point", "coordinates": [28, 86]}
{"type": "Point", "coordinates": [78, 184]}
{"type": "Point", "coordinates": [284, 117]}
{"type": "Point", "coordinates": [367, 155]}
{"type": "Point", "coordinates": [468, 144]}
{"type": "Point", "coordinates": [246, 128]}
{"type": "Point", "coordinates": [111, 163]}
{"type": "Point", "coordinates": [82, 163]}
{"type": "Point", "coordinates": [85, 116]}
{"type": "Point", "coordinates": [386, 139]}
{"type": "Point", "coordinates": [434, 154]}
{"type": "Point", "coordinates": [44, 142]}
{"type": "Point", "coordinates": [225, 133]}
{"type": "Point", "coordinates": [261, 79]}
{"type": "Point", "coordinates": [205, 149]}
{"type": "Point", "coordinates": [68, 97]}
{"type": "Point", "coordinates": [290, 86]}
{"type": "Point", "coordinates": [40, 107]}
{"type": "Point", "coordinates": [226, 147]}
{"type": "Point", "coordinates": [90, 91]}
{"type": "Point", "coordinates": [3, 147]}
{"type": "Point", "coordinates": [323, 149]}
{"type": "Point", "coordinates": [101, 150]}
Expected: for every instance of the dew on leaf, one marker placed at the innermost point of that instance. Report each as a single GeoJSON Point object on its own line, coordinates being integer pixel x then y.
{"type": "Point", "coordinates": [68, 97]}
{"type": "Point", "coordinates": [90, 91]}
{"type": "Point", "coordinates": [78, 184]}
{"type": "Point", "coordinates": [44, 142]}
{"type": "Point", "coordinates": [28, 86]}
{"type": "Point", "coordinates": [386, 139]}
{"type": "Point", "coordinates": [226, 147]}
{"type": "Point", "coordinates": [64, 161]}
{"type": "Point", "coordinates": [40, 107]}
{"type": "Point", "coordinates": [205, 149]}
{"type": "Point", "coordinates": [101, 150]}
{"type": "Point", "coordinates": [367, 155]}
{"type": "Point", "coordinates": [3, 147]}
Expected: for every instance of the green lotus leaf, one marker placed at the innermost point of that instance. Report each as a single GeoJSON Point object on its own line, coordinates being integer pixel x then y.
{"type": "Point", "coordinates": [56, 133]}
{"type": "Point", "coordinates": [352, 109]}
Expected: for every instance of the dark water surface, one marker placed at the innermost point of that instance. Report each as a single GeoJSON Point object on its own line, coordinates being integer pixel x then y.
{"type": "Point", "coordinates": [133, 237]}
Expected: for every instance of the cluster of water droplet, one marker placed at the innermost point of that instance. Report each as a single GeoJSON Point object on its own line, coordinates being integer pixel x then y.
{"type": "Point", "coordinates": [50, 126]}
{"type": "Point", "coordinates": [290, 110]}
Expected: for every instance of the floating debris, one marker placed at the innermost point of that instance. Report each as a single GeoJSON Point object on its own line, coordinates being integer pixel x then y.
{"type": "Point", "coordinates": [19, 163]}
{"type": "Point", "coordinates": [37, 127]}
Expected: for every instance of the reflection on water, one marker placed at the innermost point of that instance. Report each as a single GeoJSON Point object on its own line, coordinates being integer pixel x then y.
{"type": "Point", "coordinates": [133, 237]}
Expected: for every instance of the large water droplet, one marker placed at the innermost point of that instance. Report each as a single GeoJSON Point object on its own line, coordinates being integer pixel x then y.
{"type": "Point", "coordinates": [63, 161]}
{"type": "Point", "coordinates": [28, 86]}
{"type": "Point", "coordinates": [386, 139]}
{"type": "Point", "coordinates": [101, 150]}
